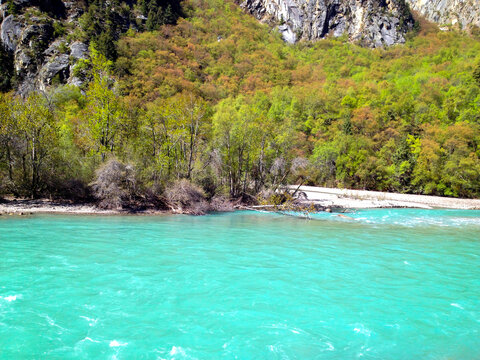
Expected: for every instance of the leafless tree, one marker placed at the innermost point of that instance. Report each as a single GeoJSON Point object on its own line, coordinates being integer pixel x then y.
{"type": "Point", "coordinates": [185, 197]}
{"type": "Point", "coordinates": [114, 185]}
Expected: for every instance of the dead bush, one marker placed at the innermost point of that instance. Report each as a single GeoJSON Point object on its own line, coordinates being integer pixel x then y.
{"type": "Point", "coordinates": [185, 197]}
{"type": "Point", "coordinates": [114, 185]}
{"type": "Point", "coordinates": [221, 204]}
{"type": "Point", "coordinates": [264, 195]}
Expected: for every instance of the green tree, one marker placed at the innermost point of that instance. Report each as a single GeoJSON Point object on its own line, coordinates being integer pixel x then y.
{"type": "Point", "coordinates": [8, 134]}
{"type": "Point", "coordinates": [6, 70]}
{"type": "Point", "coordinates": [105, 111]}
{"type": "Point", "coordinates": [476, 74]}
{"type": "Point", "coordinates": [238, 134]}
{"type": "Point", "coordinates": [35, 122]}
{"type": "Point", "coordinates": [177, 128]}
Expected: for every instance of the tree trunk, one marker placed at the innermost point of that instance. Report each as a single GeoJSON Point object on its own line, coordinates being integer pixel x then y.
{"type": "Point", "coordinates": [9, 161]}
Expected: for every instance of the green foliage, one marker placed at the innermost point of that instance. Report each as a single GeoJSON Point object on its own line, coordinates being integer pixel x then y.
{"type": "Point", "coordinates": [173, 132]}
{"type": "Point", "coordinates": [252, 143]}
{"type": "Point", "coordinates": [58, 29]}
{"type": "Point", "coordinates": [12, 8]}
{"type": "Point", "coordinates": [158, 16]}
{"type": "Point", "coordinates": [476, 74]}
{"type": "Point", "coordinates": [222, 101]}
{"type": "Point", "coordinates": [104, 109]}
{"type": "Point", "coordinates": [362, 124]}
{"type": "Point", "coordinates": [81, 68]}
{"type": "Point", "coordinates": [103, 22]}
{"type": "Point", "coordinates": [6, 70]}
{"type": "Point", "coordinates": [160, 13]}
{"type": "Point", "coordinates": [29, 133]}
{"type": "Point", "coordinates": [63, 48]}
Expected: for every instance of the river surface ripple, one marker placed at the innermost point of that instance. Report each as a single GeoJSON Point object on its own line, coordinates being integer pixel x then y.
{"type": "Point", "coordinates": [382, 284]}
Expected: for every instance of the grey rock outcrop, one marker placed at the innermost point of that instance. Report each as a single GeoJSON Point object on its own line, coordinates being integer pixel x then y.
{"type": "Point", "coordinates": [45, 42]}
{"type": "Point", "coordinates": [79, 50]}
{"type": "Point", "coordinates": [57, 66]}
{"type": "Point", "coordinates": [40, 57]}
{"type": "Point", "coordinates": [372, 23]}
{"type": "Point", "coordinates": [462, 13]}
{"type": "Point", "coordinates": [10, 32]}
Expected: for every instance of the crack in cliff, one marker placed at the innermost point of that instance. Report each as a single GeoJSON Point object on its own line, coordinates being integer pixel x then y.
{"type": "Point", "coordinates": [332, 11]}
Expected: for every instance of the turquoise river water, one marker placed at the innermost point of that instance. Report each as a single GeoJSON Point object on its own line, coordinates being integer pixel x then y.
{"type": "Point", "coordinates": [385, 284]}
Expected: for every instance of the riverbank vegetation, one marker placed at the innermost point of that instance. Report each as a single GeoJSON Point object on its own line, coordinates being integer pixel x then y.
{"type": "Point", "coordinates": [221, 102]}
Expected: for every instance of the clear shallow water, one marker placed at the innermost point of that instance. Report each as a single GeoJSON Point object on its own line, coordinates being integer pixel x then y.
{"type": "Point", "coordinates": [392, 284]}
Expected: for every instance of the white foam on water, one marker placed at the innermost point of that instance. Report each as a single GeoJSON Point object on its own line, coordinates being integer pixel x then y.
{"type": "Point", "coordinates": [360, 329]}
{"type": "Point", "coordinates": [457, 306]}
{"type": "Point", "coordinates": [272, 348]}
{"type": "Point", "coordinates": [115, 343]}
{"type": "Point", "coordinates": [395, 326]}
{"type": "Point", "coordinates": [286, 327]}
{"type": "Point", "coordinates": [91, 322]}
{"type": "Point", "coordinates": [362, 352]}
{"type": "Point", "coordinates": [330, 347]}
{"type": "Point", "coordinates": [425, 219]}
{"type": "Point", "coordinates": [406, 263]}
{"type": "Point", "coordinates": [159, 354]}
{"type": "Point", "coordinates": [91, 340]}
{"type": "Point", "coordinates": [177, 350]}
{"type": "Point", "coordinates": [50, 320]}
{"type": "Point", "coordinates": [11, 298]}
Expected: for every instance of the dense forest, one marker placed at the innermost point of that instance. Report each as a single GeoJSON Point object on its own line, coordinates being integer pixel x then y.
{"type": "Point", "coordinates": [216, 99]}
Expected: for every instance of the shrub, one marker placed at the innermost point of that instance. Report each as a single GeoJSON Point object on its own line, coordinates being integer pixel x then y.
{"type": "Point", "coordinates": [58, 29]}
{"type": "Point", "coordinates": [185, 197]}
{"type": "Point", "coordinates": [221, 204]}
{"type": "Point", "coordinates": [71, 189]}
{"type": "Point", "coordinates": [115, 185]}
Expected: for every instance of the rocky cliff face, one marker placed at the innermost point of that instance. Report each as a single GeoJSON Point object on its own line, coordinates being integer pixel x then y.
{"type": "Point", "coordinates": [33, 33]}
{"type": "Point", "coordinates": [372, 23]}
{"type": "Point", "coordinates": [463, 13]}
{"type": "Point", "coordinates": [43, 42]}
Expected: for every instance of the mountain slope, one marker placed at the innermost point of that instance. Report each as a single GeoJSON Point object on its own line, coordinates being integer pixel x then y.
{"type": "Point", "coordinates": [220, 99]}
{"type": "Point", "coordinates": [402, 118]}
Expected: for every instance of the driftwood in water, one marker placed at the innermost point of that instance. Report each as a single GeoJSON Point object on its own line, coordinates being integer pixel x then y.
{"type": "Point", "coordinates": [295, 208]}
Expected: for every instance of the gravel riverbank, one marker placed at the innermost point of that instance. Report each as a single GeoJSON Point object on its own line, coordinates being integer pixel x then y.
{"type": "Point", "coordinates": [344, 198]}
{"type": "Point", "coordinates": [325, 197]}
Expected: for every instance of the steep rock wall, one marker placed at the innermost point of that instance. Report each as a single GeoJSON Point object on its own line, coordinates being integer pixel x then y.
{"type": "Point", "coordinates": [372, 23]}
{"type": "Point", "coordinates": [463, 13]}
{"type": "Point", "coordinates": [38, 52]}
{"type": "Point", "coordinates": [43, 41]}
